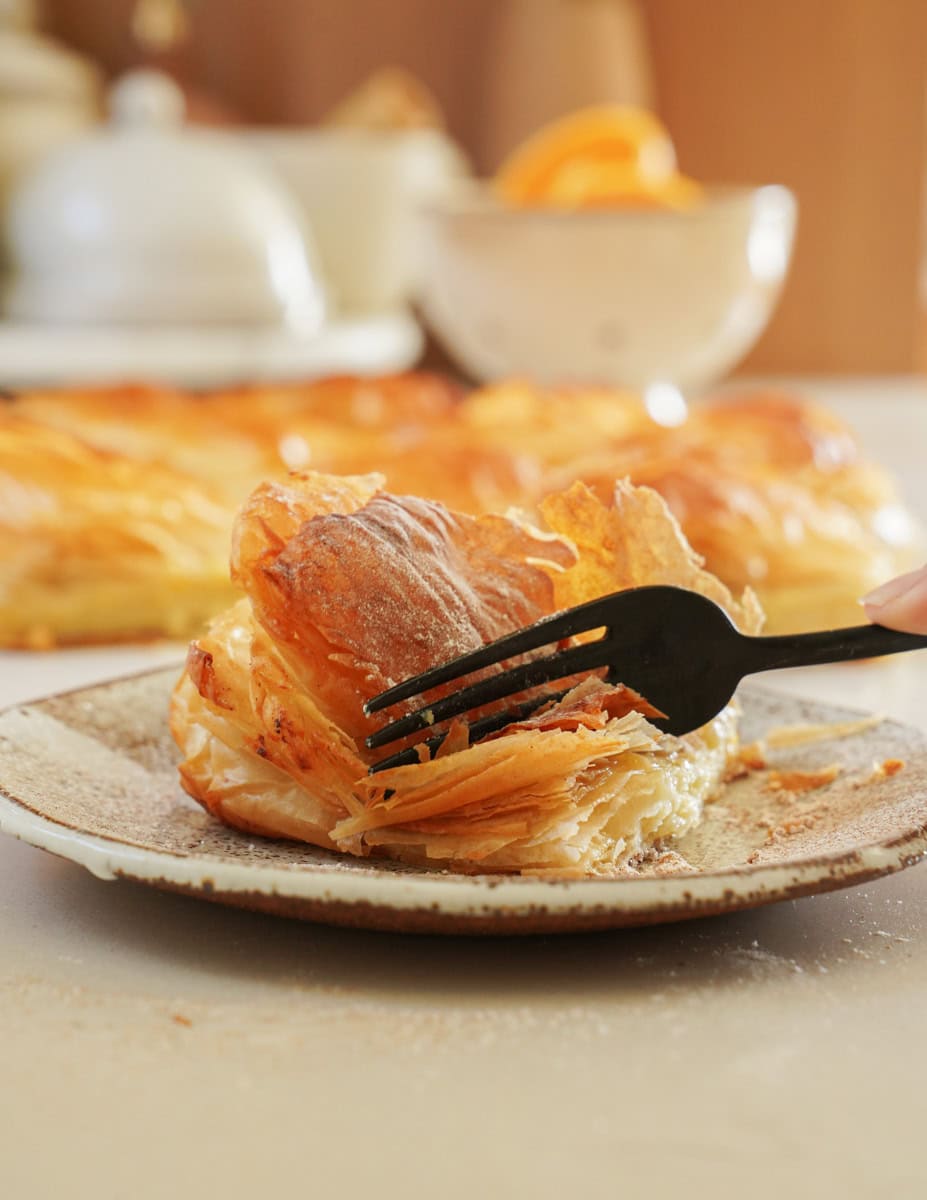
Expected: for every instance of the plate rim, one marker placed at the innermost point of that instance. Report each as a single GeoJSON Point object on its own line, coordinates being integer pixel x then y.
{"type": "Point", "coordinates": [367, 341]}
{"type": "Point", "coordinates": [550, 906]}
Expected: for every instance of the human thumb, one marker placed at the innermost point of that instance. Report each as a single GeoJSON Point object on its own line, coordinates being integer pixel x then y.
{"type": "Point", "coordinates": [901, 603]}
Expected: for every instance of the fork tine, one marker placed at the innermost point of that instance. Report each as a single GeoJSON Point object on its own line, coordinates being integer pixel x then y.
{"type": "Point", "coordinates": [517, 679]}
{"type": "Point", "coordinates": [549, 629]}
{"type": "Point", "coordinates": [479, 729]}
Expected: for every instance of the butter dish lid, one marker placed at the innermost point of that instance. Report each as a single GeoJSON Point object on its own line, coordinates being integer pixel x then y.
{"type": "Point", "coordinates": [152, 221]}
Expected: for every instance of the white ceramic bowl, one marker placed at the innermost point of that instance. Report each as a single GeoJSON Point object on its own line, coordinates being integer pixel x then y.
{"type": "Point", "coordinates": [360, 191]}
{"type": "Point", "coordinates": [632, 297]}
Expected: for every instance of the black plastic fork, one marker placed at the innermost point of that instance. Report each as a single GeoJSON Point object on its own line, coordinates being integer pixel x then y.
{"type": "Point", "coordinates": [678, 649]}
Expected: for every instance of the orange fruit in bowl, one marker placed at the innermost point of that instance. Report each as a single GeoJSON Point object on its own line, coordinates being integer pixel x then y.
{"type": "Point", "coordinates": [602, 156]}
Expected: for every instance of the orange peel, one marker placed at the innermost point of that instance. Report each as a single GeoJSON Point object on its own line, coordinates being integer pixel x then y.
{"type": "Point", "coordinates": [600, 156]}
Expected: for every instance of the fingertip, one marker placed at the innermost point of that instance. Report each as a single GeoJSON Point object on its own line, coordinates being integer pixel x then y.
{"type": "Point", "coordinates": [901, 603]}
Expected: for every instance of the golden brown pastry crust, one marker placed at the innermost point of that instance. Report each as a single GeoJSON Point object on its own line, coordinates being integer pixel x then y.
{"type": "Point", "coordinates": [349, 589]}
{"type": "Point", "coordinates": [95, 546]}
{"type": "Point", "coordinates": [771, 490]}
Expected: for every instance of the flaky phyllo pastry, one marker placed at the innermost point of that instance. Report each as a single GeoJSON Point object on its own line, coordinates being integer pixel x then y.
{"type": "Point", "coordinates": [94, 547]}
{"type": "Point", "coordinates": [349, 589]}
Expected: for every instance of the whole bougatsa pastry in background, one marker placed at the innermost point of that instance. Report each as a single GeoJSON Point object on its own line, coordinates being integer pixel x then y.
{"type": "Point", "coordinates": [116, 504]}
{"type": "Point", "coordinates": [98, 546]}
{"type": "Point", "coordinates": [348, 589]}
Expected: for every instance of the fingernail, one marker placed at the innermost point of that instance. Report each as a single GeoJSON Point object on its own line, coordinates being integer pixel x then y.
{"type": "Point", "coordinates": [894, 589]}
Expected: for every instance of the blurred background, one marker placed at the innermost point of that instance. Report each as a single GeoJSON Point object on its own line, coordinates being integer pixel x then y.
{"type": "Point", "coordinates": [824, 96]}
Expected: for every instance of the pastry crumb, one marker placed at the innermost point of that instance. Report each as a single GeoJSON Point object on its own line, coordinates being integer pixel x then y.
{"type": "Point", "coordinates": [749, 758]}
{"type": "Point", "coordinates": [802, 781]}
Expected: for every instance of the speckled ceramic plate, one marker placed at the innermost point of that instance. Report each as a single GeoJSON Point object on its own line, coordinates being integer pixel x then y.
{"type": "Point", "coordinates": [90, 775]}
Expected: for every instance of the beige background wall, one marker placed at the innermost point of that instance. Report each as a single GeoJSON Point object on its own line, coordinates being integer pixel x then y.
{"type": "Point", "coordinates": [827, 96]}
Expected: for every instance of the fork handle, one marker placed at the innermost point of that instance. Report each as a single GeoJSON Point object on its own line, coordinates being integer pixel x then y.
{"type": "Point", "coordinates": [827, 646]}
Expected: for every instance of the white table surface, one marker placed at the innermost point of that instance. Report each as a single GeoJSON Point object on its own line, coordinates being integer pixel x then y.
{"type": "Point", "coordinates": [155, 1046]}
